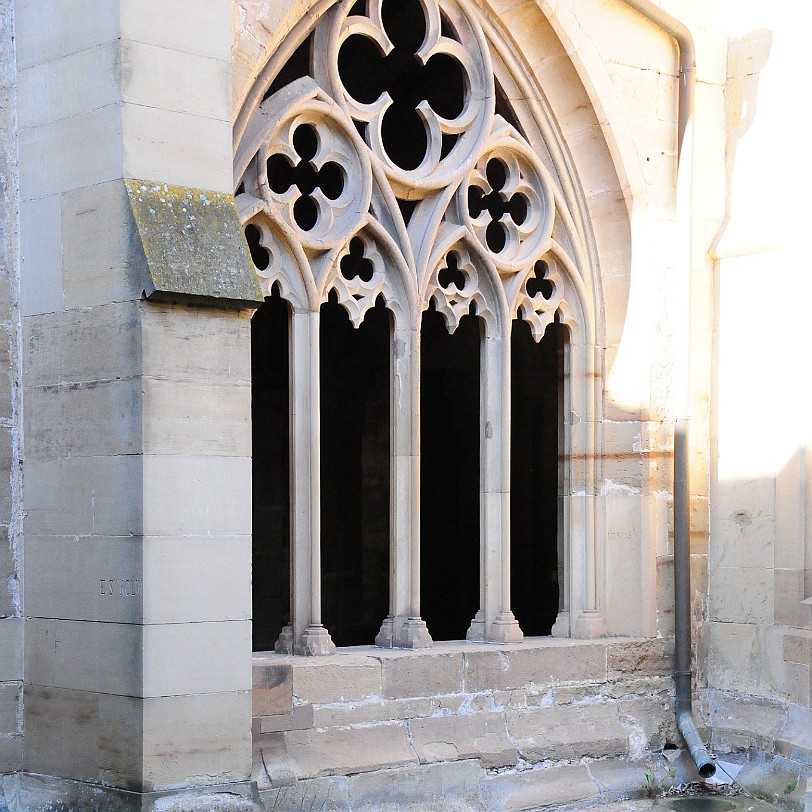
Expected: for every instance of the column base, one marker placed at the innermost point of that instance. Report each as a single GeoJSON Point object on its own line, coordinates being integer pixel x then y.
{"type": "Point", "coordinates": [403, 632]}
{"type": "Point", "coordinates": [284, 645]}
{"type": "Point", "coordinates": [589, 625]}
{"type": "Point", "coordinates": [506, 629]}
{"type": "Point", "coordinates": [561, 627]}
{"type": "Point", "coordinates": [476, 631]}
{"type": "Point", "coordinates": [316, 642]}
{"type": "Point", "coordinates": [386, 636]}
{"type": "Point", "coordinates": [415, 634]}
{"type": "Point", "coordinates": [47, 792]}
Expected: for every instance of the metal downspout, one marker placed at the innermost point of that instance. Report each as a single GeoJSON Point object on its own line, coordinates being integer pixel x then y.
{"type": "Point", "coordinates": [682, 536]}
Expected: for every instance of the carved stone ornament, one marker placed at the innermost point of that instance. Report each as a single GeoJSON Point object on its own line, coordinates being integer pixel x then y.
{"type": "Point", "coordinates": [351, 179]}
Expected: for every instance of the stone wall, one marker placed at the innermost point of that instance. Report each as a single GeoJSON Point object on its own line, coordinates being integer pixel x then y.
{"type": "Point", "coordinates": [11, 625]}
{"type": "Point", "coordinates": [571, 717]}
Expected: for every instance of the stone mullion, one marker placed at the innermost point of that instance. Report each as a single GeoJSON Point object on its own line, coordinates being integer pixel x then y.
{"type": "Point", "coordinates": [305, 635]}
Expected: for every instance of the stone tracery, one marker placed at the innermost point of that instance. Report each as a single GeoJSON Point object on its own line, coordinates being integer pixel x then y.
{"type": "Point", "coordinates": [319, 171]}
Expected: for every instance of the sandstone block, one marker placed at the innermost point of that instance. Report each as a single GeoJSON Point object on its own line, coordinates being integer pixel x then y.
{"type": "Point", "coordinates": [653, 657]}
{"type": "Point", "coordinates": [96, 344]}
{"type": "Point", "coordinates": [154, 148]}
{"type": "Point", "coordinates": [741, 594]}
{"type": "Point", "coordinates": [314, 753]}
{"type": "Point", "coordinates": [103, 730]}
{"type": "Point", "coordinates": [11, 755]}
{"type": "Point", "coordinates": [423, 675]}
{"type": "Point", "coordinates": [429, 786]}
{"type": "Point", "coordinates": [75, 83]}
{"type": "Point", "coordinates": [98, 578]}
{"type": "Point", "coordinates": [102, 257]}
{"type": "Point", "coordinates": [301, 718]}
{"type": "Point", "coordinates": [196, 345]}
{"type": "Point", "coordinates": [798, 647]}
{"type": "Point", "coordinates": [368, 712]}
{"type": "Point", "coordinates": [41, 258]}
{"type": "Point", "coordinates": [10, 697]}
{"type": "Point", "coordinates": [184, 579]}
{"type": "Point", "coordinates": [84, 656]}
{"type": "Point", "coordinates": [5, 474]}
{"type": "Point", "coordinates": [568, 732]}
{"type": "Point", "coordinates": [200, 85]}
{"type": "Point", "coordinates": [336, 679]}
{"type": "Point", "coordinates": [92, 419]}
{"type": "Point", "coordinates": [84, 496]}
{"type": "Point", "coordinates": [536, 789]}
{"type": "Point", "coordinates": [8, 573]}
{"type": "Point", "coordinates": [795, 739]}
{"type": "Point", "coordinates": [188, 495]}
{"type": "Point", "coordinates": [11, 649]}
{"type": "Point", "coordinates": [196, 658]}
{"type": "Point", "coordinates": [480, 736]}
{"type": "Point", "coordinates": [183, 417]}
{"type": "Point", "coordinates": [747, 721]}
{"type": "Point", "coordinates": [272, 691]}
{"type": "Point", "coordinates": [208, 735]}
{"type": "Point", "coordinates": [190, 26]}
{"type": "Point", "coordinates": [74, 152]}
{"type": "Point", "coordinates": [327, 794]}
{"type": "Point", "coordinates": [570, 661]}
{"type": "Point", "coordinates": [65, 27]}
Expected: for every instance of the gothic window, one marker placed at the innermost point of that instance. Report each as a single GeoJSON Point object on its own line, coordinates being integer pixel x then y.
{"type": "Point", "coordinates": [392, 197]}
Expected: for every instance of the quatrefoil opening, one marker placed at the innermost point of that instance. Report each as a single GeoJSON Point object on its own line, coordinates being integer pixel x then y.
{"type": "Point", "coordinates": [282, 174]}
{"type": "Point", "coordinates": [500, 207]}
{"type": "Point", "coordinates": [412, 84]}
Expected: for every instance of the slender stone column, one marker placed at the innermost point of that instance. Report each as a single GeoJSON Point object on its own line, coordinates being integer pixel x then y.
{"type": "Point", "coordinates": [589, 623]}
{"type": "Point", "coordinates": [305, 635]}
{"type": "Point", "coordinates": [403, 627]}
{"type": "Point", "coordinates": [495, 621]}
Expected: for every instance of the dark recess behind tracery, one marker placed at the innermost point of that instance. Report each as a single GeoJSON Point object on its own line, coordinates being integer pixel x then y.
{"type": "Point", "coordinates": [505, 109]}
{"type": "Point", "coordinates": [297, 66]}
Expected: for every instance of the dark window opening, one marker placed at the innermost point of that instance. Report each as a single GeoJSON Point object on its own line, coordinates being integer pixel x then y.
{"type": "Point", "coordinates": [355, 383]}
{"type": "Point", "coordinates": [297, 66]}
{"type": "Point", "coordinates": [505, 109]}
{"type": "Point", "coordinates": [270, 415]}
{"type": "Point", "coordinates": [449, 475]}
{"type": "Point", "coordinates": [537, 375]}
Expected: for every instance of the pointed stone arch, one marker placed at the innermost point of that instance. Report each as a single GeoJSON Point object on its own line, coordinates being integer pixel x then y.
{"type": "Point", "coordinates": [547, 201]}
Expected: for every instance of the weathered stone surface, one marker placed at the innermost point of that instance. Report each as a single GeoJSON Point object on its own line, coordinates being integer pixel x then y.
{"type": "Point", "coordinates": [11, 645]}
{"type": "Point", "coordinates": [618, 779]}
{"type": "Point", "coordinates": [341, 679]}
{"type": "Point", "coordinates": [314, 753]}
{"type": "Point", "coordinates": [10, 698]}
{"type": "Point", "coordinates": [104, 732]}
{"type": "Point", "coordinates": [387, 710]}
{"type": "Point", "coordinates": [653, 657]}
{"type": "Point", "coordinates": [193, 243]}
{"type": "Point", "coordinates": [798, 647]}
{"type": "Point", "coordinates": [207, 735]}
{"type": "Point", "coordinates": [536, 789]}
{"type": "Point", "coordinates": [426, 675]}
{"type": "Point", "coordinates": [272, 686]}
{"type": "Point", "coordinates": [454, 786]}
{"type": "Point", "coordinates": [739, 723]}
{"type": "Point", "coordinates": [301, 718]}
{"type": "Point", "coordinates": [570, 661]}
{"type": "Point", "coordinates": [11, 756]}
{"type": "Point", "coordinates": [481, 736]}
{"type": "Point", "coordinates": [795, 739]}
{"type": "Point", "coordinates": [568, 732]}
{"type": "Point", "coordinates": [327, 794]}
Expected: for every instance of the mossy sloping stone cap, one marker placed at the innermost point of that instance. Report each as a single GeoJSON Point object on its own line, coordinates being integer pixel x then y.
{"type": "Point", "coordinates": [193, 243]}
